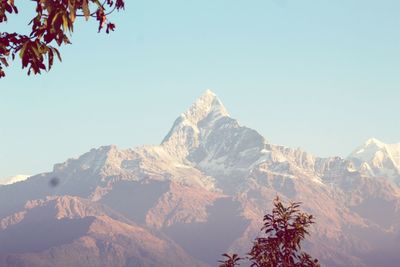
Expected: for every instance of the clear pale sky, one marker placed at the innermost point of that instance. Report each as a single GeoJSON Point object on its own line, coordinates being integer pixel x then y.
{"type": "Point", "coordinates": [321, 75]}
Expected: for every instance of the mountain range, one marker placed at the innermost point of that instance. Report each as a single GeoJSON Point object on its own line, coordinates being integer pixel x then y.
{"type": "Point", "coordinates": [200, 193]}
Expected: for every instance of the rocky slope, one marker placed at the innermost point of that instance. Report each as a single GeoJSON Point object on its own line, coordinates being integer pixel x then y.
{"type": "Point", "coordinates": [70, 231]}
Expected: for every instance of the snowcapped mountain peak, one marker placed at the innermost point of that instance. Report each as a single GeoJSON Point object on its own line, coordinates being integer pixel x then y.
{"type": "Point", "coordinates": [208, 104]}
{"type": "Point", "coordinates": [192, 125]}
{"type": "Point", "coordinates": [373, 147]}
{"type": "Point", "coordinates": [13, 179]}
{"type": "Point", "coordinates": [367, 151]}
{"type": "Point", "coordinates": [375, 142]}
{"type": "Point", "coordinates": [383, 159]}
{"type": "Point", "coordinates": [209, 92]}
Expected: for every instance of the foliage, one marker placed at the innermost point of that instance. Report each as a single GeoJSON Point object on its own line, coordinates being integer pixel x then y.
{"type": "Point", "coordinates": [53, 22]}
{"type": "Point", "coordinates": [230, 260]}
{"type": "Point", "coordinates": [280, 246]}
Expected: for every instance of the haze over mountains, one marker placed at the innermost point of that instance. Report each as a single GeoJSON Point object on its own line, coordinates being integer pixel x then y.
{"type": "Point", "coordinates": [201, 192]}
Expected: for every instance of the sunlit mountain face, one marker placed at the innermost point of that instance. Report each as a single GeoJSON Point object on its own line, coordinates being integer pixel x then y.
{"type": "Point", "coordinates": [13, 179]}
{"type": "Point", "coordinates": [202, 192]}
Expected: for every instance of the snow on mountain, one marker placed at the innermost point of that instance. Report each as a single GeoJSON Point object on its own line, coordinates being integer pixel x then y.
{"type": "Point", "coordinates": [13, 179]}
{"type": "Point", "coordinates": [211, 180]}
{"type": "Point", "coordinates": [193, 126]}
{"type": "Point", "coordinates": [378, 159]}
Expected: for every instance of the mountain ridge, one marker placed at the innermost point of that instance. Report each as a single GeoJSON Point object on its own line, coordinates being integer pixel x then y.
{"type": "Point", "coordinates": [13, 179]}
{"type": "Point", "coordinates": [210, 181]}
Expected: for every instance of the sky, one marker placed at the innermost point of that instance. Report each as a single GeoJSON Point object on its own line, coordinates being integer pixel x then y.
{"type": "Point", "coordinates": [320, 75]}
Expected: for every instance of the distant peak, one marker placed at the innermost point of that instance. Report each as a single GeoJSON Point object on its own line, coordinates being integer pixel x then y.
{"type": "Point", "coordinates": [209, 92]}
{"type": "Point", "coordinates": [374, 141]}
{"type": "Point", "coordinates": [208, 103]}
{"type": "Point", "coordinates": [202, 115]}
{"type": "Point", "coordinates": [14, 179]}
{"type": "Point", "coordinates": [367, 151]}
{"type": "Point", "coordinates": [208, 97]}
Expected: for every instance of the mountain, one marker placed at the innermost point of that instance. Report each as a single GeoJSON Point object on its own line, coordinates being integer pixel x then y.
{"type": "Point", "coordinates": [203, 191]}
{"type": "Point", "coordinates": [13, 179]}
{"type": "Point", "coordinates": [378, 159]}
{"type": "Point", "coordinates": [69, 231]}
